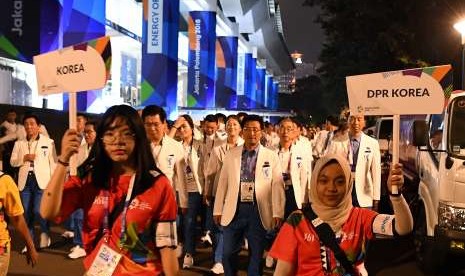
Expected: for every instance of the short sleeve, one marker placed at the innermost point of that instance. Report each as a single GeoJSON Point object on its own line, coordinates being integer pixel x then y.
{"type": "Point", "coordinates": [12, 204]}
{"type": "Point", "coordinates": [368, 217]}
{"type": "Point", "coordinates": [71, 199]}
{"type": "Point", "coordinates": [285, 245]}
{"type": "Point", "coordinates": [165, 226]}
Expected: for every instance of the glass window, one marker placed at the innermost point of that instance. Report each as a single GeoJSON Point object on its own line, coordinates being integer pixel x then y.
{"type": "Point", "coordinates": [457, 123]}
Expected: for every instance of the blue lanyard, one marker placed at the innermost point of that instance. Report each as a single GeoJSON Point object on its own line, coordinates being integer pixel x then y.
{"type": "Point", "coordinates": [106, 230]}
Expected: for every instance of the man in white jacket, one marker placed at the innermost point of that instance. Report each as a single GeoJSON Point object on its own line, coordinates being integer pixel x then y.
{"type": "Point", "coordinates": [363, 154]}
{"type": "Point", "coordinates": [36, 159]}
{"type": "Point", "coordinates": [250, 197]}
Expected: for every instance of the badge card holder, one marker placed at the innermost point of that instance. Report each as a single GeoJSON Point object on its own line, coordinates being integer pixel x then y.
{"type": "Point", "coordinates": [105, 262]}
{"type": "Point", "coordinates": [247, 191]}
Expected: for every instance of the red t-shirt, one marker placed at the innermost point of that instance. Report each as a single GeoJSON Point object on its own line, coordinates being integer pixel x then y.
{"type": "Point", "coordinates": [147, 213]}
{"type": "Point", "coordinates": [298, 243]}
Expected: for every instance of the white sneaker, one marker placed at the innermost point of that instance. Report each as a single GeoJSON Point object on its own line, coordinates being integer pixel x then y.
{"type": "Point", "coordinates": [269, 261]}
{"type": "Point", "coordinates": [207, 238]}
{"type": "Point", "coordinates": [44, 240]}
{"type": "Point", "coordinates": [179, 250]}
{"type": "Point", "coordinates": [24, 250]}
{"type": "Point", "coordinates": [68, 234]}
{"type": "Point", "coordinates": [77, 252]}
{"type": "Point", "coordinates": [188, 261]}
{"type": "Point", "coordinates": [217, 269]}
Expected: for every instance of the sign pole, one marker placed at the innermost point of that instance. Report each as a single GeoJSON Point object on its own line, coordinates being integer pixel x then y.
{"type": "Point", "coordinates": [395, 145]}
{"type": "Point", "coordinates": [72, 125]}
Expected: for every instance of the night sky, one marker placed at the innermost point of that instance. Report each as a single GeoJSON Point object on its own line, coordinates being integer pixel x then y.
{"type": "Point", "coordinates": [300, 32]}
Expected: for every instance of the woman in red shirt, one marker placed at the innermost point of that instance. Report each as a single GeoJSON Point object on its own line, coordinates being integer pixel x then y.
{"type": "Point", "coordinates": [298, 247]}
{"type": "Point", "coordinates": [129, 206]}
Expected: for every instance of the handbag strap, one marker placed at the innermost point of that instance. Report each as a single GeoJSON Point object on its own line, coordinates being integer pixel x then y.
{"type": "Point", "coordinates": [328, 238]}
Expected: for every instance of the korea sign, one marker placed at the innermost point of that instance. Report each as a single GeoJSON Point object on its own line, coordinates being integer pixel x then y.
{"type": "Point", "coordinates": [76, 68]}
{"type": "Point", "coordinates": [412, 91]}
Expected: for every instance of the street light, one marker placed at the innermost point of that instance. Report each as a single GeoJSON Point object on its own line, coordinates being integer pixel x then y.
{"type": "Point", "coordinates": [460, 27]}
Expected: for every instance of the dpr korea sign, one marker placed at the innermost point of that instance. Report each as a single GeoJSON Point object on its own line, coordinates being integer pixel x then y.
{"type": "Point", "coordinates": [412, 91]}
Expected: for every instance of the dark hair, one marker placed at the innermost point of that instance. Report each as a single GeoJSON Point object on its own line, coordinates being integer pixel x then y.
{"type": "Point", "coordinates": [144, 162]}
{"type": "Point", "coordinates": [241, 114]}
{"type": "Point", "coordinates": [190, 122]}
{"type": "Point", "coordinates": [284, 119]}
{"type": "Point", "coordinates": [154, 110]}
{"type": "Point", "coordinates": [82, 115]}
{"type": "Point", "coordinates": [253, 118]}
{"type": "Point", "coordinates": [221, 116]}
{"type": "Point", "coordinates": [92, 123]}
{"type": "Point", "coordinates": [233, 117]}
{"type": "Point", "coordinates": [332, 120]}
{"type": "Point", "coordinates": [211, 118]}
{"type": "Point", "coordinates": [33, 116]}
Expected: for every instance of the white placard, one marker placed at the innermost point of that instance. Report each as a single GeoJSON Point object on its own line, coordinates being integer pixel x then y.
{"type": "Point", "coordinates": [70, 70]}
{"type": "Point", "coordinates": [397, 92]}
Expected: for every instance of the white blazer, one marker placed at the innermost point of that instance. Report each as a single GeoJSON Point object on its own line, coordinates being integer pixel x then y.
{"type": "Point", "coordinates": [368, 169]}
{"type": "Point", "coordinates": [213, 168]}
{"type": "Point", "coordinates": [44, 163]}
{"type": "Point", "coordinates": [195, 161]}
{"type": "Point", "coordinates": [170, 161]}
{"type": "Point", "coordinates": [299, 171]}
{"type": "Point", "coordinates": [269, 186]}
{"type": "Point", "coordinates": [320, 142]}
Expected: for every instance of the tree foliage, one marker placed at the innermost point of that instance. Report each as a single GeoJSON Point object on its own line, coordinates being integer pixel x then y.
{"type": "Point", "coordinates": [367, 36]}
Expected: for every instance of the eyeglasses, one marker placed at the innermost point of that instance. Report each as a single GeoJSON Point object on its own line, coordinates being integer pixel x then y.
{"type": "Point", "coordinates": [252, 129]}
{"type": "Point", "coordinates": [286, 129]}
{"type": "Point", "coordinates": [109, 137]}
{"type": "Point", "coordinates": [153, 125]}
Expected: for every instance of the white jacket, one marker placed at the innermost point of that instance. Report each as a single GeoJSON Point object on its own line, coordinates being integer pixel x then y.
{"type": "Point", "coordinates": [169, 160]}
{"type": "Point", "coordinates": [269, 186]}
{"type": "Point", "coordinates": [299, 172]}
{"type": "Point", "coordinates": [214, 165]}
{"type": "Point", "coordinates": [44, 163]}
{"type": "Point", "coordinates": [368, 169]}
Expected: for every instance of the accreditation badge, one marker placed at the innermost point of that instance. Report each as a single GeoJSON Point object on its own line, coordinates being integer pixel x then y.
{"type": "Point", "coordinates": [105, 262]}
{"type": "Point", "coordinates": [247, 191]}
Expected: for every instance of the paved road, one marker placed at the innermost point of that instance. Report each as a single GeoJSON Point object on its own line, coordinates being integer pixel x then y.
{"type": "Point", "coordinates": [385, 258]}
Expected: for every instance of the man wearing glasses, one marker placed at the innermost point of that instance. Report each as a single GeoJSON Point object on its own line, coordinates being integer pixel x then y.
{"type": "Point", "coordinates": [250, 197]}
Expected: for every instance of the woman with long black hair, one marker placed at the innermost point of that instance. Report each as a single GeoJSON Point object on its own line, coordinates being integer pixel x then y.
{"type": "Point", "coordinates": [129, 206]}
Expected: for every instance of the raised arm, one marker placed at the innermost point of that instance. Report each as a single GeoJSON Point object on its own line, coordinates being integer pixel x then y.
{"type": "Point", "coordinates": [51, 199]}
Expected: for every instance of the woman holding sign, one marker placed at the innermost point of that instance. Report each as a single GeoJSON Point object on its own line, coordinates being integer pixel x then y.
{"type": "Point", "coordinates": [329, 237]}
{"type": "Point", "coordinates": [129, 206]}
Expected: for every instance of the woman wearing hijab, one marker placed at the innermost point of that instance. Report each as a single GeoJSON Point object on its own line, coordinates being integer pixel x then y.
{"type": "Point", "coordinates": [129, 205]}
{"type": "Point", "coordinates": [298, 247]}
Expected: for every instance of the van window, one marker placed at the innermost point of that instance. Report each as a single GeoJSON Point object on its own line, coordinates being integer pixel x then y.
{"type": "Point", "coordinates": [457, 121]}
{"type": "Point", "coordinates": [385, 129]}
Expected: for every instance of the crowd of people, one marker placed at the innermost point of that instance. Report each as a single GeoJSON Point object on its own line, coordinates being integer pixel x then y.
{"type": "Point", "coordinates": [147, 192]}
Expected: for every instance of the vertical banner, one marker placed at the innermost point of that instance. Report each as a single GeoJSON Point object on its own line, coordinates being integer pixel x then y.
{"type": "Point", "coordinates": [201, 59]}
{"type": "Point", "coordinates": [275, 96]}
{"type": "Point", "coordinates": [19, 29]}
{"type": "Point", "coordinates": [260, 87]}
{"type": "Point", "coordinates": [269, 87]}
{"type": "Point", "coordinates": [226, 74]}
{"type": "Point", "coordinates": [160, 54]}
{"type": "Point", "coordinates": [82, 21]}
{"type": "Point", "coordinates": [250, 84]}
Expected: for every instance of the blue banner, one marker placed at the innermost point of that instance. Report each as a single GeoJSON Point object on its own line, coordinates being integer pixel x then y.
{"type": "Point", "coordinates": [201, 59]}
{"type": "Point", "coordinates": [275, 96]}
{"type": "Point", "coordinates": [260, 91]}
{"type": "Point", "coordinates": [82, 21]}
{"type": "Point", "coordinates": [269, 87]}
{"type": "Point", "coordinates": [160, 54]}
{"type": "Point", "coordinates": [248, 101]}
{"type": "Point", "coordinates": [226, 72]}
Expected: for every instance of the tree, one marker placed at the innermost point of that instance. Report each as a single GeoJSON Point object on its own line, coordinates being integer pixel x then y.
{"type": "Point", "coordinates": [367, 36]}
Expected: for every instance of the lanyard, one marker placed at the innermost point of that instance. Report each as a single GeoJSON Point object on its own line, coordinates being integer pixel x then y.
{"type": "Point", "coordinates": [106, 229]}
{"type": "Point", "coordinates": [30, 142]}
